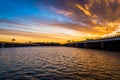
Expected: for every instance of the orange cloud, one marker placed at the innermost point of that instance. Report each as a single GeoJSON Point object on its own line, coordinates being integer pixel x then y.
{"type": "Point", "coordinates": [83, 9]}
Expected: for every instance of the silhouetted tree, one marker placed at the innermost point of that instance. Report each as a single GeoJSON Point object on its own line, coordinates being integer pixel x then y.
{"type": "Point", "coordinates": [12, 40]}
{"type": "Point", "coordinates": [68, 41]}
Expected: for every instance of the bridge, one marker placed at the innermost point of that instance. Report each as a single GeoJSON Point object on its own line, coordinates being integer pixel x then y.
{"type": "Point", "coordinates": [104, 44]}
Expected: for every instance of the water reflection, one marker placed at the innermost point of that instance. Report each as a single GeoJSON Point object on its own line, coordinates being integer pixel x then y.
{"type": "Point", "coordinates": [58, 63]}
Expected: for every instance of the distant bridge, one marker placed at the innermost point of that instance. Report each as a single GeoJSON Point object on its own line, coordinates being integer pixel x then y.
{"type": "Point", "coordinates": [105, 44]}
{"type": "Point", "coordinates": [103, 40]}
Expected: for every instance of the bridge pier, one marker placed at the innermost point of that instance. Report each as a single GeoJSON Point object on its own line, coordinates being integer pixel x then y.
{"type": "Point", "coordinates": [102, 45]}
{"type": "Point", "coordinates": [84, 44]}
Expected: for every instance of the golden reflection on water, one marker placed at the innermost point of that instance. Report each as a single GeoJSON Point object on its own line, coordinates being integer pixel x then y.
{"type": "Point", "coordinates": [59, 63]}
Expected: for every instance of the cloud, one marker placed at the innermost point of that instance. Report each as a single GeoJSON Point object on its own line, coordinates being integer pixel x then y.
{"type": "Point", "coordinates": [7, 21]}
{"type": "Point", "coordinates": [58, 19]}
{"type": "Point", "coordinates": [84, 10]}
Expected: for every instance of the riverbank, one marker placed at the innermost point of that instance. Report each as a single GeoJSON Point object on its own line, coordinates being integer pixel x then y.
{"type": "Point", "coordinates": [8, 44]}
{"type": "Point", "coordinates": [110, 44]}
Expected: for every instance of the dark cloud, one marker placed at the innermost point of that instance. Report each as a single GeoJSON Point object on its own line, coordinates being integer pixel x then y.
{"type": "Point", "coordinates": [106, 9]}
{"type": "Point", "coordinates": [102, 14]}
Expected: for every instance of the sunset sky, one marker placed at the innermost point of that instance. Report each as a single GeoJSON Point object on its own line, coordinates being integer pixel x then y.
{"type": "Point", "coordinates": [58, 20]}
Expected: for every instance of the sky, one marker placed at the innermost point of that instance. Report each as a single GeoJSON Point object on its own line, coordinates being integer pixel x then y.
{"type": "Point", "coordinates": [58, 20]}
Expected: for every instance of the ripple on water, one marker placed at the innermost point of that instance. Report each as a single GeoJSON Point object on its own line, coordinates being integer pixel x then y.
{"type": "Point", "coordinates": [58, 63]}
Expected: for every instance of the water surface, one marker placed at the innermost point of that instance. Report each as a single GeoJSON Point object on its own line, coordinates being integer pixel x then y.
{"type": "Point", "coordinates": [58, 63]}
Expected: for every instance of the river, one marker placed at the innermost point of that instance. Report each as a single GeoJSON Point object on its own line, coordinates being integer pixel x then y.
{"type": "Point", "coordinates": [58, 63]}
